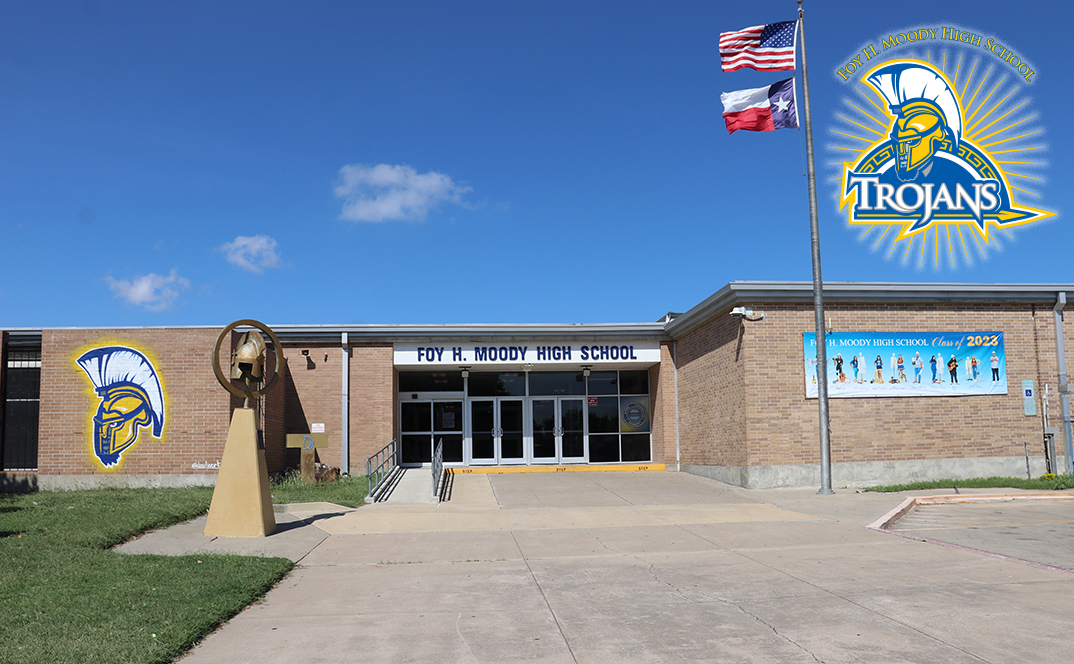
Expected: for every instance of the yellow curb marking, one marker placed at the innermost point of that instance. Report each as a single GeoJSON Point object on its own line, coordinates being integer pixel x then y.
{"type": "Point", "coordinates": [500, 470]}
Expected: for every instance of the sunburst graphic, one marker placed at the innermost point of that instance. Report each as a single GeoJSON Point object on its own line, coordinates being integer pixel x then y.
{"type": "Point", "coordinates": [999, 127]}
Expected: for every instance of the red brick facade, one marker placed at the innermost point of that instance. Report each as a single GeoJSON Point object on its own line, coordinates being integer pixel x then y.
{"type": "Point", "coordinates": [197, 409]}
{"type": "Point", "coordinates": [727, 399]}
{"type": "Point", "coordinates": [742, 391]}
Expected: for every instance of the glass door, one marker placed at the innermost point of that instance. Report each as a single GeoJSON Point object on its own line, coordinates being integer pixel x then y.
{"type": "Point", "coordinates": [496, 432]}
{"type": "Point", "coordinates": [545, 431]}
{"type": "Point", "coordinates": [572, 430]}
{"type": "Point", "coordinates": [510, 432]}
{"type": "Point", "coordinates": [483, 432]}
{"type": "Point", "coordinates": [558, 430]}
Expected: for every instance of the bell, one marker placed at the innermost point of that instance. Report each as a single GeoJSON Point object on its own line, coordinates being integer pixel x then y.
{"type": "Point", "coordinates": [247, 360]}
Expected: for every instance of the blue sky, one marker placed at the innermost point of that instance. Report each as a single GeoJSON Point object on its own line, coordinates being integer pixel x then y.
{"type": "Point", "coordinates": [428, 162]}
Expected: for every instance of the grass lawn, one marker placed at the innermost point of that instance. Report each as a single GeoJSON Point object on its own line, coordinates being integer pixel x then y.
{"type": "Point", "coordinates": [66, 597]}
{"type": "Point", "coordinates": [346, 491]}
{"type": "Point", "coordinates": [1046, 483]}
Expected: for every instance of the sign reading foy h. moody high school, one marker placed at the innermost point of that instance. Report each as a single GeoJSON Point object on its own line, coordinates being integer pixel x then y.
{"type": "Point", "coordinates": [542, 353]}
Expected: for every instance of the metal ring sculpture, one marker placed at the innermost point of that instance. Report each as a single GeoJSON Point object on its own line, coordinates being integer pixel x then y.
{"type": "Point", "coordinates": [281, 361]}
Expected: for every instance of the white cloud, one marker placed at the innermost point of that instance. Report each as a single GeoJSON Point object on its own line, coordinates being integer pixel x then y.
{"type": "Point", "coordinates": [382, 192]}
{"type": "Point", "coordinates": [253, 254]}
{"type": "Point", "coordinates": [150, 291]}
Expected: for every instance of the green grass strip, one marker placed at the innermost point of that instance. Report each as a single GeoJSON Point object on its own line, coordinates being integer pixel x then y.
{"type": "Point", "coordinates": [346, 491]}
{"type": "Point", "coordinates": [1046, 483]}
{"type": "Point", "coordinates": [67, 598]}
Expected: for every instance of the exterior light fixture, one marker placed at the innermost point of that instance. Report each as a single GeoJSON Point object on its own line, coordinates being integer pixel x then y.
{"type": "Point", "coordinates": [747, 313]}
{"type": "Point", "coordinates": [465, 372]}
{"type": "Point", "coordinates": [585, 370]}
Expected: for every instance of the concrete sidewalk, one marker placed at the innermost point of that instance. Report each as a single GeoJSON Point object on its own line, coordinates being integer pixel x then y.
{"type": "Point", "coordinates": [634, 567]}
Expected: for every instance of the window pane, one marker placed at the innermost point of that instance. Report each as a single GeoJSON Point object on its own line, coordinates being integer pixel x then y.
{"type": "Point", "coordinates": [634, 414]}
{"type": "Point", "coordinates": [555, 383]}
{"type": "Point", "coordinates": [447, 416]}
{"type": "Point", "coordinates": [634, 382]}
{"type": "Point", "coordinates": [497, 385]}
{"type": "Point", "coordinates": [416, 416]}
{"type": "Point", "coordinates": [604, 416]}
{"type": "Point", "coordinates": [452, 447]}
{"type": "Point", "coordinates": [417, 448]}
{"type": "Point", "coordinates": [430, 381]}
{"type": "Point", "coordinates": [603, 449]}
{"type": "Point", "coordinates": [636, 447]}
{"type": "Point", "coordinates": [603, 382]}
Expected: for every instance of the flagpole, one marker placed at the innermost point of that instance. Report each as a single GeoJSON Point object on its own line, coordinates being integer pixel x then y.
{"type": "Point", "coordinates": [818, 297]}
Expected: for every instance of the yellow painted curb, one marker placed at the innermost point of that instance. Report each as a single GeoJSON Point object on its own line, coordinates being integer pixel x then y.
{"type": "Point", "coordinates": [500, 470]}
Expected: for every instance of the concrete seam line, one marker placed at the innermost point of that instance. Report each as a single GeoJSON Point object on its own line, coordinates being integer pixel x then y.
{"type": "Point", "coordinates": [926, 540]}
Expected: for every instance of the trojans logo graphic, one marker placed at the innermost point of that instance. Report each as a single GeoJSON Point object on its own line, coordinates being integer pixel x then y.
{"type": "Point", "coordinates": [926, 168]}
{"type": "Point", "coordinates": [131, 398]}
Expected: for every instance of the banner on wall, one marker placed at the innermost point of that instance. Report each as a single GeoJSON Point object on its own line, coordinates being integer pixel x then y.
{"type": "Point", "coordinates": [908, 364]}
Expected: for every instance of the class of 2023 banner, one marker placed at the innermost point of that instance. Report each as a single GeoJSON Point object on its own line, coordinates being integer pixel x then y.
{"type": "Point", "coordinates": [908, 364]}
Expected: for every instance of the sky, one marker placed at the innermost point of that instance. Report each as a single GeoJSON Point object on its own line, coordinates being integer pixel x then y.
{"type": "Point", "coordinates": [197, 163]}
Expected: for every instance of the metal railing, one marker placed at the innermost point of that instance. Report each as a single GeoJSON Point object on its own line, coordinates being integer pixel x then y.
{"type": "Point", "coordinates": [438, 468]}
{"type": "Point", "coordinates": [380, 467]}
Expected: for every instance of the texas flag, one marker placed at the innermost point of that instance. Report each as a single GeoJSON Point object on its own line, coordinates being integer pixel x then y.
{"type": "Point", "coordinates": [761, 109]}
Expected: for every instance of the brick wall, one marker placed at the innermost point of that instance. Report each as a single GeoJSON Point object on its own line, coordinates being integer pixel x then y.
{"type": "Point", "coordinates": [771, 413]}
{"type": "Point", "coordinates": [712, 409]}
{"type": "Point", "coordinates": [197, 408]}
{"type": "Point", "coordinates": [373, 390]}
{"type": "Point", "coordinates": [314, 389]}
{"type": "Point", "coordinates": [662, 397]}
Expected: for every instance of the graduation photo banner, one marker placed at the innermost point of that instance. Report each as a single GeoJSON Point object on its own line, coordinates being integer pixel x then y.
{"type": "Point", "coordinates": [908, 364]}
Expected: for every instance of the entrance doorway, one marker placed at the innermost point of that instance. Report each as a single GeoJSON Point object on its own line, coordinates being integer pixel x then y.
{"type": "Point", "coordinates": [558, 430]}
{"type": "Point", "coordinates": [496, 431]}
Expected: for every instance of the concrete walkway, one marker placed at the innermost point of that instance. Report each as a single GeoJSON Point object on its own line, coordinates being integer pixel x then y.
{"type": "Point", "coordinates": [636, 567]}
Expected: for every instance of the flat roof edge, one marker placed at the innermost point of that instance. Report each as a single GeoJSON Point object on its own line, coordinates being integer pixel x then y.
{"type": "Point", "coordinates": [738, 293]}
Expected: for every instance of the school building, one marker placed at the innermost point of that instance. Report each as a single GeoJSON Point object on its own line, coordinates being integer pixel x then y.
{"type": "Point", "coordinates": [726, 390]}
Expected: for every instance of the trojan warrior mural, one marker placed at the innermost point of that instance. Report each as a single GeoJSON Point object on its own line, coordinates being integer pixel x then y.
{"type": "Point", "coordinates": [926, 171]}
{"type": "Point", "coordinates": [937, 152]}
{"type": "Point", "coordinates": [131, 399]}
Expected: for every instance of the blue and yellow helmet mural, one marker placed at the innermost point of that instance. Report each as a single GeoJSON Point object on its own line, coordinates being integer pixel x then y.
{"type": "Point", "coordinates": [131, 398]}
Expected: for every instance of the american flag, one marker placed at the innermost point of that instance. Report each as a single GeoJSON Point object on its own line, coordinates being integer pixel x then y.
{"type": "Point", "coordinates": [763, 47]}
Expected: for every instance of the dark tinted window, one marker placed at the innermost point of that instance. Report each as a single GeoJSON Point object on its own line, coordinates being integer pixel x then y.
{"type": "Point", "coordinates": [634, 382]}
{"type": "Point", "coordinates": [556, 383]}
{"type": "Point", "coordinates": [416, 416]}
{"type": "Point", "coordinates": [603, 449]}
{"type": "Point", "coordinates": [603, 382]}
{"type": "Point", "coordinates": [497, 385]}
{"type": "Point", "coordinates": [604, 416]}
{"type": "Point", "coordinates": [430, 381]}
{"type": "Point", "coordinates": [447, 416]}
{"type": "Point", "coordinates": [636, 447]}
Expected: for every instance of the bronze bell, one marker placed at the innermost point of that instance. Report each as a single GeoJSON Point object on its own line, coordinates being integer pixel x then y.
{"type": "Point", "coordinates": [247, 361]}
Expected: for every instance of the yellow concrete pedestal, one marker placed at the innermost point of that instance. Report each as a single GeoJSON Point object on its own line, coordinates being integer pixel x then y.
{"type": "Point", "coordinates": [242, 501]}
